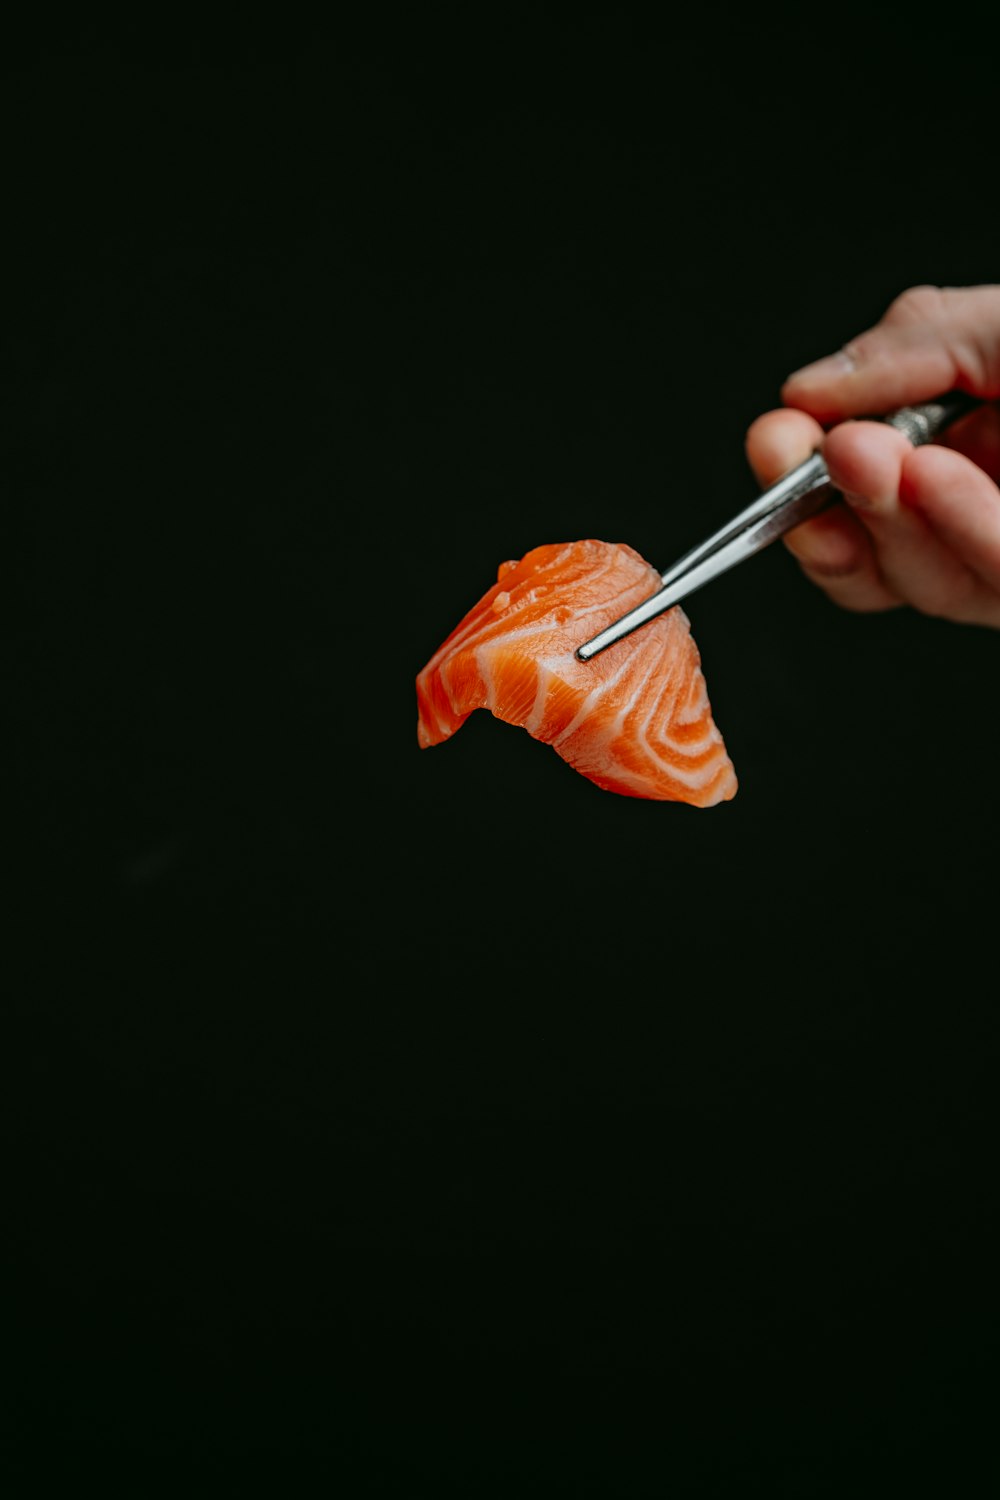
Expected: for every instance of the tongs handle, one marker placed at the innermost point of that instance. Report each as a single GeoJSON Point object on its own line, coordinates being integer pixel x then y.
{"type": "Point", "coordinates": [807, 490]}
{"type": "Point", "coordinates": [799, 494]}
{"type": "Point", "coordinates": [922, 423]}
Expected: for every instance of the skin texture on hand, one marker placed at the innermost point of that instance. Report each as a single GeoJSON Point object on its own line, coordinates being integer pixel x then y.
{"type": "Point", "coordinates": [916, 526]}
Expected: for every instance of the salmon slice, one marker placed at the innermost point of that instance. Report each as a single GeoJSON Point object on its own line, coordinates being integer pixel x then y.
{"type": "Point", "coordinates": [635, 719]}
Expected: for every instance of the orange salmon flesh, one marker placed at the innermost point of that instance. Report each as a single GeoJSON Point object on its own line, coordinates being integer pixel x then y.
{"type": "Point", "coordinates": [635, 719]}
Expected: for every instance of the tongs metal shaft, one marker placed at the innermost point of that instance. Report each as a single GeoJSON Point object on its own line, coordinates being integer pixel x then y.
{"type": "Point", "coordinates": [801, 493]}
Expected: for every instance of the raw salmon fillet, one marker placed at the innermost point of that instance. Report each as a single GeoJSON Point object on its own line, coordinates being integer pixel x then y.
{"type": "Point", "coordinates": [635, 719]}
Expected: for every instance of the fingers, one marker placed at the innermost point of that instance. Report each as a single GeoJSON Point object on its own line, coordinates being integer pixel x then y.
{"type": "Point", "coordinates": [833, 548]}
{"type": "Point", "coordinates": [931, 340]}
{"type": "Point", "coordinates": [779, 440]}
{"type": "Point", "coordinates": [919, 526]}
{"type": "Point", "coordinates": [933, 517]}
{"type": "Point", "coordinates": [835, 552]}
{"type": "Point", "coordinates": [870, 464]}
{"type": "Point", "coordinates": [960, 505]}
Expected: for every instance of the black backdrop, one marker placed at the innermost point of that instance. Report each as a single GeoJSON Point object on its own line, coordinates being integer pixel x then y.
{"type": "Point", "coordinates": [430, 1120]}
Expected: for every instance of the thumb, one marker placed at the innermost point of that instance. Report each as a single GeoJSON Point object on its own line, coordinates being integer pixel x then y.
{"type": "Point", "coordinates": [931, 340]}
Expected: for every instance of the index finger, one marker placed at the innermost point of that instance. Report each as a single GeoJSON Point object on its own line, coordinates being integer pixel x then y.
{"type": "Point", "coordinates": [931, 340]}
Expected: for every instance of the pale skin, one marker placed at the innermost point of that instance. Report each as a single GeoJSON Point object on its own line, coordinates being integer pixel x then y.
{"type": "Point", "coordinates": [917, 526]}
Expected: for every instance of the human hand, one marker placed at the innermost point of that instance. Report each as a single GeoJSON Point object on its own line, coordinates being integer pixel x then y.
{"type": "Point", "coordinates": [917, 526]}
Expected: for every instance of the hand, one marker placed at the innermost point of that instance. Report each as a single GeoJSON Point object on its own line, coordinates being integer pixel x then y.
{"type": "Point", "coordinates": [917, 526]}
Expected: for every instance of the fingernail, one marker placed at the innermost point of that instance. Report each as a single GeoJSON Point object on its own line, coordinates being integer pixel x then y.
{"type": "Point", "coordinates": [831, 367]}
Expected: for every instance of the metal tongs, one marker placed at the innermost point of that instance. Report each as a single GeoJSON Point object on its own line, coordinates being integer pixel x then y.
{"type": "Point", "coordinates": [801, 493]}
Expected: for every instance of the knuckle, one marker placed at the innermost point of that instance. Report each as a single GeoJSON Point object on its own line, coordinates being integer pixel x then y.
{"type": "Point", "coordinates": [917, 304]}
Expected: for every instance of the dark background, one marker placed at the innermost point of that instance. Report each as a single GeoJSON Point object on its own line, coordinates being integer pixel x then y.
{"type": "Point", "coordinates": [433, 1122]}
